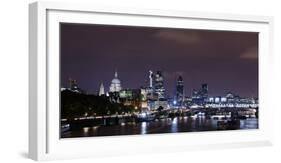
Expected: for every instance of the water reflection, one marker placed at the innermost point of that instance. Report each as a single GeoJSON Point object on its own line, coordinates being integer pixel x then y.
{"type": "Point", "coordinates": [178, 124]}
{"type": "Point", "coordinates": [174, 127]}
{"type": "Point", "coordinates": [250, 123]}
{"type": "Point", "coordinates": [143, 127]}
{"type": "Point", "coordinates": [85, 131]}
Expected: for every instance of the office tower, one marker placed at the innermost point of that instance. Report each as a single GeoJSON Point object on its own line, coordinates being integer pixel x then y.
{"type": "Point", "coordinates": [159, 85]}
{"type": "Point", "coordinates": [180, 91]}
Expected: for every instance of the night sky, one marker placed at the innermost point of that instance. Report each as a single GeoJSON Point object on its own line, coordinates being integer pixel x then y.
{"type": "Point", "coordinates": [227, 61]}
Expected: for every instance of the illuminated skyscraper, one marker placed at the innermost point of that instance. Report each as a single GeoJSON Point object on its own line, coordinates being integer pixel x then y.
{"type": "Point", "coordinates": [204, 90]}
{"type": "Point", "coordinates": [150, 87]}
{"type": "Point", "coordinates": [179, 91]}
{"type": "Point", "coordinates": [159, 85]}
{"type": "Point", "coordinates": [150, 79]}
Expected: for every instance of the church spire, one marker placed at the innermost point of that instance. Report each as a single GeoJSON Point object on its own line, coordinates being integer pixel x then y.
{"type": "Point", "coordinates": [116, 74]}
{"type": "Point", "coordinates": [101, 92]}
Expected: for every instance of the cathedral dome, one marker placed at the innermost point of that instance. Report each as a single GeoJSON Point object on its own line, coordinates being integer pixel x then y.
{"type": "Point", "coordinates": [115, 81]}
{"type": "Point", "coordinates": [115, 84]}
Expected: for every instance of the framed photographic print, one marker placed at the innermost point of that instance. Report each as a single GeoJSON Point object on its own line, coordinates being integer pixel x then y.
{"type": "Point", "coordinates": [145, 80]}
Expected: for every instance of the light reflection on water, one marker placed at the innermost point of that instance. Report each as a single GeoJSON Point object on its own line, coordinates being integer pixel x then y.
{"type": "Point", "coordinates": [178, 124]}
{"type": "Point", "coordinates": [249, 123]}
{"type": "Point", "coordinates": [143, 127]}
{"type": "Point", "coordinates": [174, 127]}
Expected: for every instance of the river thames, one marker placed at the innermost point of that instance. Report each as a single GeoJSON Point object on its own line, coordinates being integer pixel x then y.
{"type": "Point", "coordinates": [168, 125]}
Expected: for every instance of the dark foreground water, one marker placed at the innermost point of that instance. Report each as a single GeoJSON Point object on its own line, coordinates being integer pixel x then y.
{"type": "Point", "coordinates": [179, 124]}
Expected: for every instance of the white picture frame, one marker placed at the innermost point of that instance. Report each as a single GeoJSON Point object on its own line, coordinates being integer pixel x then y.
{"type": "Point", "coordinates": [44, 142]}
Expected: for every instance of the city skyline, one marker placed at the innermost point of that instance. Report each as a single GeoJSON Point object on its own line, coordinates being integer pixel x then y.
{"type": "Point", "coordinates": [127, 80]}
{"type": "Point", "coordinates": [95, 53]}
{"type": "Point", "coordinates": [179, 88]}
